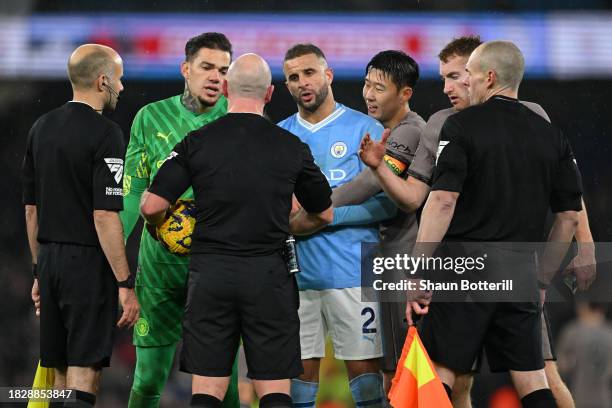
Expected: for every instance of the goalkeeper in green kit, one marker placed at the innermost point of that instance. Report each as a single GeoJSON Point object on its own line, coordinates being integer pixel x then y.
{"type": "Point", "coordinates": [162, 276]}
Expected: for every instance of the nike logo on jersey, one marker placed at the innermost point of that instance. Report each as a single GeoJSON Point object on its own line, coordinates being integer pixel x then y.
{"type": "Point", "coordinates": [116, 168]}
{"type": "Point", "coordinates": [162, 136]}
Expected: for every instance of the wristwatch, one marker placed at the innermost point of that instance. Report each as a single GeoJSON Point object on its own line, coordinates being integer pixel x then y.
{"type": "Point", "coordinates": [128, 283]}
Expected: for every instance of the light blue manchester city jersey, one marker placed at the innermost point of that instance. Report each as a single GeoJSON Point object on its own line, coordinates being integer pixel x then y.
{"type": "Point", "coordinates": [331, 258]}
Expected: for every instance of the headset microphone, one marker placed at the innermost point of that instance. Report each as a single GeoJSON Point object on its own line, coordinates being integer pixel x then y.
{"type": "Point", "coordinates": [111, 90]}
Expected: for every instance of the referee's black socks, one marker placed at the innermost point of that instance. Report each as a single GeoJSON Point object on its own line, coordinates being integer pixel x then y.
{"type": "Point", "coordinates": [83, 400]}
{"type": "Point", "coordinates": [273, 400]}
{"type": "Point", "coordinates": [276, 400]}
{"type": "Point", "coordinates": [205, 401]}
{"type": "Point", "coordinates": [539, 399]}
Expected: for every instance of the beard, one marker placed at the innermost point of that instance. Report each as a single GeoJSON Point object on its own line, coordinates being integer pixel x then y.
{"type": "Point", "coordinates": [110, 105]}
{"type": "Point", "coordinates": [319, 98]}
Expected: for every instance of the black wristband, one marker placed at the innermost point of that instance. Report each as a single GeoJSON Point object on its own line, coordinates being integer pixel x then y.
{"type": "Point", "coordinates": [128, 283]}
{"type": "Point", "coordinates": [34, 271]}
{"type": "Point", "coordinates": [542, 285]}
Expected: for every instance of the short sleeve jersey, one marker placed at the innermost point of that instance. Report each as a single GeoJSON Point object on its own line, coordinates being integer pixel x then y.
{"type": "Point", "coordinates": [73, 165]}
{"type": "Point", "coordinates": [331, 258]}
{"type": "Point", "coordinates": [510, 166]}
{"type": "Point", "coordinates": [424, 161]}
{"type": "Point", "coordinates": [244, 170]}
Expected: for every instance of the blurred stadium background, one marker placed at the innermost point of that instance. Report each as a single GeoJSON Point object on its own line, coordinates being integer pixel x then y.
{"type": "Point", "coordinates": [568, 50]}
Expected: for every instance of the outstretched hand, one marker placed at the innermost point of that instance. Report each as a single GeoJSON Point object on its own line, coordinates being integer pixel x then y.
{"type": "Point", "coordinates": [372, 152]}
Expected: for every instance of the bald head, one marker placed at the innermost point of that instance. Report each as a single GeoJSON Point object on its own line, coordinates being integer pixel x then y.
{"type": "Point", "coordinates": [503, 57]}
{"type": "Point", "coordinates": [248, 77]}
{"type": "Point", "coordinates": [89, 61]}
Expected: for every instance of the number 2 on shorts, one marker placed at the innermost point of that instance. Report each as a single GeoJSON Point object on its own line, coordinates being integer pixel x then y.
{"type": "Point", "coordinates": [365, 328]}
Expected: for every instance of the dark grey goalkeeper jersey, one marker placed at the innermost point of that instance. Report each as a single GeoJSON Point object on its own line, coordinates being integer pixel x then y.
{"type": "Point", "coordinates": [424, 161]}
{"type": "Point", "coordinates": [402, 145]}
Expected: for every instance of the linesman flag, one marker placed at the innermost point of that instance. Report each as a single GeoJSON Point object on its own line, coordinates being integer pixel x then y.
{"type": "Point", "coordinates": [416, 384]}
{"type": "Point", "coordinates": [44, 378]}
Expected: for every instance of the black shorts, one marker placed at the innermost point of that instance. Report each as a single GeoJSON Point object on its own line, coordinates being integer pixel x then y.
{"type": "Point", "coordinates": [394, 328]}
{"type": "Point", "coordinates": [78, 310]}
{"type": "Point", "coordinates": [454, 334]}
{"type": "Point", "coordinates": [232, 296]}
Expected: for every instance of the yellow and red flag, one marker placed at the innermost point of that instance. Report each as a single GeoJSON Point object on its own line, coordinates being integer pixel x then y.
{"type": "Point", "coordinates": [43, 379]}
{"type": "Point", "coordinates": [416, 383]}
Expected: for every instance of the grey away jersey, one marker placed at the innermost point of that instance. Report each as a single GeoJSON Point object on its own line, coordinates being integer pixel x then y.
{"type": "Point", "coordinates": [424, 161]}
{"type": "Point", "coordinates": [401, 146]}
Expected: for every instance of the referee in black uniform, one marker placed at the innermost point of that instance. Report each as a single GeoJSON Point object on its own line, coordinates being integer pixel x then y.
{"type": "Point", "coordinates": [72, 191]}
{"type": "Point", "coordinates": [500, 167]}
{"type": "Point", "coordinates": [243, 170]}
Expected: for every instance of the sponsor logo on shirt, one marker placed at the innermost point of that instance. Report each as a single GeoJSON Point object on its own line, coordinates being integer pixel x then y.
{"type": "Point", "coordinates": [335, 175]}
{"type": "Point", "coordinates": [441, 147]}
{"type": "Point", "coordinates": [392, 144]}
{"type": "Point", "coordinates": [114, 191]}
{"type": "Point", "coordinates": [338, 150]}
{"type": "Point", "coordinates": [116, 167]}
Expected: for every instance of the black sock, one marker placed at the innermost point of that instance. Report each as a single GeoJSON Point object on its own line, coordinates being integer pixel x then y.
{"type": "Point", "coordinates": [83, 400]}
{"type": "Point", "coordinates": [448, 390]}
{"type": "Point", "coordinates": [539, 399]}
{"type": "Point", "coordinates": [205, 401]}
{"type": "Point", "coordinates": [276, 400]}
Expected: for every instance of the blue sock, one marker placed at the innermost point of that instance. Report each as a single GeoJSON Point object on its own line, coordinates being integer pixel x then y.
{"type": "Point", "coordinates": [304, 393]}
{"type": "Point", "coordinates": [367, 390]}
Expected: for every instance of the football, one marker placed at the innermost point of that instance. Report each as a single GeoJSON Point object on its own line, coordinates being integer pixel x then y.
{"type": "Point", "coordinates": [175, 232]}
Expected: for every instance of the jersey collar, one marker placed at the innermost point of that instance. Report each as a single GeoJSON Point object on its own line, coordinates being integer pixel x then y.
{"type": "Point", "coordinates": [504, 98]}
{"type": "Point", "coordinates": [314, 127]}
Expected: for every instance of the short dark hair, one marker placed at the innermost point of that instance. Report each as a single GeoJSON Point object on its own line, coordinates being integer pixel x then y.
{"type": "Point", "coordinates": [213, 41]}
{"type": "Point", "coordinates": [461, 47]}
{"type": "Point", "coordinates": [398, 66]}
{"type": "Point", "coordinates": [299, 50]}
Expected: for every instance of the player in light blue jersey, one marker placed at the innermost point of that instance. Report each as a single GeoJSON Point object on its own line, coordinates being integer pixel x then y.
{"type": "Point", "coordinates": [330, 260]}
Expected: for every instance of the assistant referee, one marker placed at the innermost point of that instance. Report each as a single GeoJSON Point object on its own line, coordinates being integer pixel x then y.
{"type": "Point", "coordinates": [500, 167]}
{"type": "Point", "coordinates": [72, 191]}
{"type": "Point", "coordinates": [243, 170]}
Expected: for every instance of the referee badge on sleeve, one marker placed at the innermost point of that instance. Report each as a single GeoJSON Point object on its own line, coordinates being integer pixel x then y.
{"type": "Point", "coordinates": [441, 147]}
{"type": "Point", "coordinates": [116, 167]}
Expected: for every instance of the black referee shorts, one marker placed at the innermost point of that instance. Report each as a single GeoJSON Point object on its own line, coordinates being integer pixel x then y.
{"type": "Point", "coordinates": [454, 334]}
{"type": "Point", "coordinates": [230, 297]}
{"type": "Point", "coordinates": [78, 310]}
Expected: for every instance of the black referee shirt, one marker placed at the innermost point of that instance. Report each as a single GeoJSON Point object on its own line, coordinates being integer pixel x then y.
{"type": "Point", "coordinates": [509, 166]}
{"type": "Point", "coordinates": [73, 165]}
{"type": "Point", "coordinates": [243, 170]}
